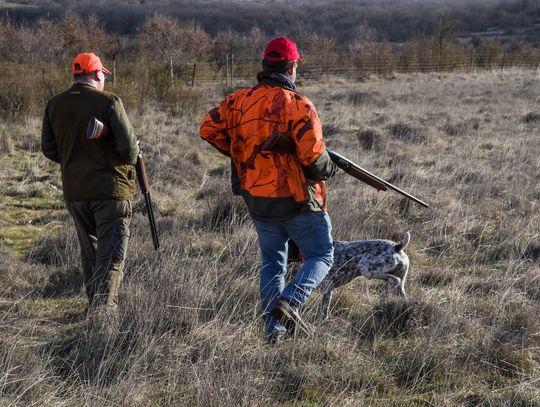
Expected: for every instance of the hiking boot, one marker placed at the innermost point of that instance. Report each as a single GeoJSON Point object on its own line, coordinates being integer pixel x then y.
{"type": "Point", "coordinates": [289, 317]}
{"type": "Point", "coordinates": [275, 337]}
{"type": "Point", "coordinates": [103, 318]}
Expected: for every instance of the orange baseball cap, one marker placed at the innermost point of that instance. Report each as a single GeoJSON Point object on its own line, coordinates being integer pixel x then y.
{"type": "Point", "coordinates": [86, 63]}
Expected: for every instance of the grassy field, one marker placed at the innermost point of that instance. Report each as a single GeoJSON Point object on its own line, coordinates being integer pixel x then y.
{"type": "Point", "coordinates": [190, 332]}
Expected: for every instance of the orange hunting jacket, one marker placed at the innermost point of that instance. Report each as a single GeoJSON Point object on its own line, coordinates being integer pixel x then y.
{"type": "Point", "coordinates": [275, 185]}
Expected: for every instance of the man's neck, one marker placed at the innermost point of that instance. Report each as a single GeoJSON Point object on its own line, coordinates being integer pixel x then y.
{"type": "Point", "coordinates": [89, 83]}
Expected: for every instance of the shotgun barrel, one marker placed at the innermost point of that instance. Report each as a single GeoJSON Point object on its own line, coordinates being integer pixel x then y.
{"type": "Point", "coordinates": [371, 179]}
{"type": "Point", "coordinates": [144, 185]}
{"type": "Point", "coordinates": [282, 143]}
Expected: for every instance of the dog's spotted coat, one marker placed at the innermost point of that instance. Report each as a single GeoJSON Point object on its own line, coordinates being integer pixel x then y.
{"type": "Point", "coordinates": [381, 259]}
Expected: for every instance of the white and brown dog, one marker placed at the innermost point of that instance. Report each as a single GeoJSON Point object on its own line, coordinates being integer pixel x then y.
{"type": "Point", "coordinates": [381, 259]}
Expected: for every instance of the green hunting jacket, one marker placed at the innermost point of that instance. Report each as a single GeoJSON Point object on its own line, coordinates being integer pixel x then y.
{"type": "Point", "coordinates": [91, 169]}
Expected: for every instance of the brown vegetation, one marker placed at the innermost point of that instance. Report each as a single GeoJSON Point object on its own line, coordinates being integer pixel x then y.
{"type": "Point", "coordinates": [395, 20]}
{"type": "Point", "coordinates": [190, 332]}
{"type": "Point", "coordinates": [166, 52]}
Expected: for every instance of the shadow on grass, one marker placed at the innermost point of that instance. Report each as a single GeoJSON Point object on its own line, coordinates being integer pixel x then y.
{"type": "Point", "coordinates": [83, 354]}
{"type": "Point", "coordinates": [63, 283]}
{"type": "Point", "coordinates": [393, 318]}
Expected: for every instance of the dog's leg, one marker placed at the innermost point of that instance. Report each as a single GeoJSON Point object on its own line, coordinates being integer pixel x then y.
{"type": "Point", "coordinates": [392, 282]}
{"type": "Point", "coordinates": [401, 273]}
{"type": "Point", "coordinates": [402, 282]}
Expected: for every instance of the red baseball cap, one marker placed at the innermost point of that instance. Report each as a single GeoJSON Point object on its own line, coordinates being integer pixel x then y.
{"type": "Point", "coordinates": [282, 49]}
{"type": "Point", "coordinates": [86, 63]}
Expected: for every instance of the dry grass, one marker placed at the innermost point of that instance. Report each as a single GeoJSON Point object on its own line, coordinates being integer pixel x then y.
{"type": "Point", "coordinates": [190, 332]}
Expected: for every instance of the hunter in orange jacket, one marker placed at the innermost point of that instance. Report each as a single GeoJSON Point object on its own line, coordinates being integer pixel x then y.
{"type": "Point", "coordinates": [275, 185]}
{"type": "Point", "coordinates": [284, 188]}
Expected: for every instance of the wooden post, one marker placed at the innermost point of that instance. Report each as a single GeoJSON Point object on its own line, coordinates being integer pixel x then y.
{"type": "Point", "coordinates": [172, 72]}
{"type": "Point", "coordinates": [232, 69]}
{"type": "Point", "coordinates": [227, 70]}
{"type": "Point", "coordinates": [377, 70]}
{"type": "Point", "coordinates": [114, 68]}
{"type": "Point", "coordinates": [502, 62]}
{"type": "Point", "coordinates": [44, 82]}
{"type": "Point", "coordinates": [327, 65]}
{"type": "Point", "coordinates": [471, 61]}
{"type": "Point", "coordinates": [193, 77]}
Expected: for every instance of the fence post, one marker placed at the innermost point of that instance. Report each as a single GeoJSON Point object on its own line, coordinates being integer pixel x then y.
{"type": "Point", "coordinates": [47, 84]}
{"type": "Point", "coordinates": [377, 70]}
{"type": "Point", "coordinates": [193, 76]}
{"type": "Point", "coordinates": [171, 72]}
{"type": "Point", "coordinates": [114, 68]}
{"type": "Point", "coordinates": [327, 65]}
{"type": "Point", "coordinates": [232, 69]}
{"type": "Point", "coordinates": [227, 69]}
{"type": "Point", "coordinates": [502, 62]}
{"type": "Point", "coordinates": [471, 61]}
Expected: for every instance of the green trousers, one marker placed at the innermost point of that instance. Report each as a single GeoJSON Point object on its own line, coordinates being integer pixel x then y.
{"type": "Point", "coordinates": [103, 232]}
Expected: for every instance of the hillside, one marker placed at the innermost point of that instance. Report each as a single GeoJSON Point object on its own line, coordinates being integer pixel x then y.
{"type": "Point", "coordinates": [395, 21]}
{"type": "Point", "coordinates": [190, 332]}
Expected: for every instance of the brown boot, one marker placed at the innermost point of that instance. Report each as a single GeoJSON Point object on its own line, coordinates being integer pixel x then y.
{"type": "Point", "coordinates": [289, 316]}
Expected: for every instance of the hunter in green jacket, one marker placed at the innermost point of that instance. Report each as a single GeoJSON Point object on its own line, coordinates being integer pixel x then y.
{"type": "Point", "coordinates": [98, 177]}
{"type": "Point", "coordinates": [90, 169]}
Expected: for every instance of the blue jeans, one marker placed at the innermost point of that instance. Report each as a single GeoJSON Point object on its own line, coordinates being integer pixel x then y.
{"type": "Point", "coordinates": [311, 231]}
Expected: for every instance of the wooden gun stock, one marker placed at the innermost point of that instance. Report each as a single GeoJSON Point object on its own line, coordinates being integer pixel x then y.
{"type": "Point", "coordinates": [142, 175]}
{"type": "Point", "coordinates": [357, 172]}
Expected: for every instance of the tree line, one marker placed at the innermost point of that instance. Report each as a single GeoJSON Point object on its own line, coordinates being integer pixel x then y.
{"type": "Point", "coordinates": [163, 39]}
{"type": "Point", "coordinates": [168, 52]}
{"type": "Point", "coordinates": [396, 21]}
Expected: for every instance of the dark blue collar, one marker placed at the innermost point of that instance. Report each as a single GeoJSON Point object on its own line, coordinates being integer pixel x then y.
{"type": "Point", "coordinates": [276, 79]}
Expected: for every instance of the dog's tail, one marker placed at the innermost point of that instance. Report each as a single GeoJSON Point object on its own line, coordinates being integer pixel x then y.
{"type": "Point", "coordinates": [404, 242]}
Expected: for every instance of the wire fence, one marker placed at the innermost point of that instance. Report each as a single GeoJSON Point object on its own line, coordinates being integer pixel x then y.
{"type": "Point", "coordinates": [233, 72]}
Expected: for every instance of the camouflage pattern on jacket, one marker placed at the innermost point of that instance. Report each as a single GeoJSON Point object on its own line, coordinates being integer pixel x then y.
{"type": "Point", "coordinates": [274, 185]}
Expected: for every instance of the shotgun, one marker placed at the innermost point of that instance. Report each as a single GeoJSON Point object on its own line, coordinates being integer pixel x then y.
{"type": "Point", "coordinates": [284, 144]}
{"type": "Point", "coordinates": [98, 131]}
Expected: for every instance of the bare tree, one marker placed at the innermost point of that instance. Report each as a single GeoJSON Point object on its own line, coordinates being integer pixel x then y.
{"type": "Point", "coordinates": [50, 33]}
{"type": "Point", "coordinates": [73, 34]}
{"type": "Point", "coordinates": [226, 42]}
{"type": "Point", "coordinates": [445, 32]}
{"type": "Point", "coordinates": [193, 42]}
{"type": "Point", "coordinates": [159, 37]}
{"type": "Point", "coordinates": [98, 39]}
{"type": "Point", "coordinates": [9, 40]}
{"type": "Point", "coordinates": [362, 48]}
{"type": "Point", "coordinates": [254, 42]}
{"type": "Point", "coordinates": [317, 43]}
{"type": "Point", "coordinates": [28, 43]}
